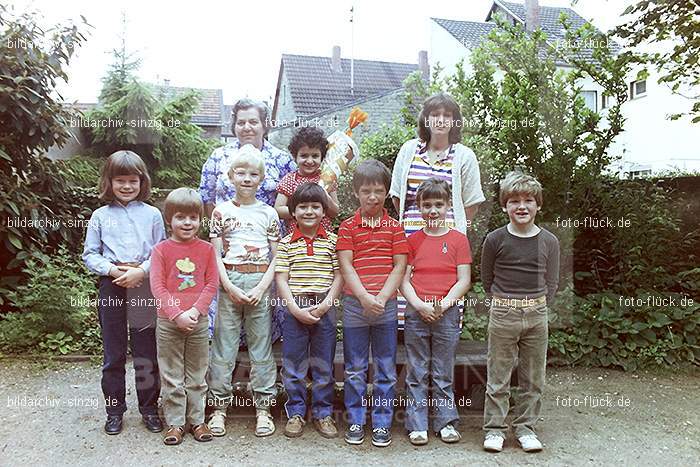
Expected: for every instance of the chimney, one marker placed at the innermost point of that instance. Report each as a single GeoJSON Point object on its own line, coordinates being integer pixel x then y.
{"type": "Point", "coordinates": [423, 65]}
{"type": "Point", "coordinates": [532, 15]}
{"type": "Point", "coordinates": [335, 60]}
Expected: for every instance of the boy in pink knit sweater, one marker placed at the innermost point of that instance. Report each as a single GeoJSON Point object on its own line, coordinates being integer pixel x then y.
{"type": "Point", "coordinates": [184, 279]}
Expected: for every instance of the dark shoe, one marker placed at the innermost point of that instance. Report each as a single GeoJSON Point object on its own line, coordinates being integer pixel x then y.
{"type": "Point", "coordinates": [153, 423]}
{"type": "Point", "coordinates": [355, 434]}
{"type": "Point", "coordinates": [381, 437]}
{"type": "Point", "coordinates": [113, 425]}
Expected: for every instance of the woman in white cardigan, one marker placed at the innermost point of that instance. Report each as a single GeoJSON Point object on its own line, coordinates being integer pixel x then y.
{"type": "Point", "coordinates": [436, 153]}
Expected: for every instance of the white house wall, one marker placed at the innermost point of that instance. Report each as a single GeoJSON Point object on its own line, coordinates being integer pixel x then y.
{"type": "Point", "coordinates": [446, 50]}
{"type": "Point", "coordinates": [652, 141]}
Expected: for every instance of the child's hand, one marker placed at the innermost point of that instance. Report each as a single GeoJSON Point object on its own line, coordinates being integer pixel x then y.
{"type": "Point", "coordinates": [256, 294]}
{"type": "Point", "coordinates": [236, 294]}
{"type": "Point", "coordinates": [116, 272]}
{"type": "Point", "coordinates": [367, 302]}
{"type": "Point", "coordinates": [186, 320]}
{"type": "Point", "coordinates": [439, 309]}
{"type": "Point", "coordinates": [320, 309]}
{"type": "Point", "coordinates": [306, 315]}
{"type": "Point", "coordinates": [132, 277]}
{"type": "Point", "coordinates": [377, 306]}
{"type": "Point", "coordinates": [426, 312]}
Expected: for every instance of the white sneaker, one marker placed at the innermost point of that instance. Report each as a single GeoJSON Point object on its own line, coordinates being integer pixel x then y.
{"type": "Point", "coordinates": [418, 438]}
{"type": "Point", "coordinates": [448, 434]}
{"type": "Point", "coordinates": [530, 443]}
{"type": "Point", "coordinates": [493, 442]}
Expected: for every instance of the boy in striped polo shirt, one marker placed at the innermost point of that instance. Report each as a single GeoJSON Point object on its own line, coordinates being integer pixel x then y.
{"type": "Point", "coordinates": [372, 252]}
{"type": "Point", "coordinates": [308, 282]}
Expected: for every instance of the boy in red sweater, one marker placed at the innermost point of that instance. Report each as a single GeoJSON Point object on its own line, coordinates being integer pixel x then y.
{"type": "Point", "coordinates": [437, 277]}
{"type": "Point", "coordinates": [184, 279]}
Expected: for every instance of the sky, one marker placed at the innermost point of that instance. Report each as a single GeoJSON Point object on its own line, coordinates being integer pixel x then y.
{"type": "Point", "coordinates": [237, 46]}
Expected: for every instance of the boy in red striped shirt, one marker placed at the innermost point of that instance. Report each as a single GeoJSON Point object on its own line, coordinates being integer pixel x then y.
{"type": "Point", "coordinates": [372, 252]}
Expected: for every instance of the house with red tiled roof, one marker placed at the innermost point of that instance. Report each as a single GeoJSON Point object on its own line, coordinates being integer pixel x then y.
{"type": "Point", "coordinates": [321, 91]}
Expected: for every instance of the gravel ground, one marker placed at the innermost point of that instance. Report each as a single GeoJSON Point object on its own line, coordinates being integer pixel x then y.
{"type": "Point", "coordinates": [51, 416]}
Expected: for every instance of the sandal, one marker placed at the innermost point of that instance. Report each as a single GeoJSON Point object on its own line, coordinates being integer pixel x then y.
{"type": "Point", "coordinates": [174, 435]}
{"type": "Point", "coordinates": [217, 423]}
{"type": "Point", "coordinates": [265, 426]}
{"type": "Point", "coordinates": [201, 433]}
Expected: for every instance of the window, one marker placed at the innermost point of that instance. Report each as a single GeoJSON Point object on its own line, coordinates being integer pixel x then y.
{"type": "Point", "coordinates": [638, 88]}
{"type": "Point", "coordinates": [590, 98]}
{"type": "Point", "coordinates": [284, 94]}
{"type": "Point", "coordinates": [604, 101]}
{"type": "Point", "coordinates": [635, 174]}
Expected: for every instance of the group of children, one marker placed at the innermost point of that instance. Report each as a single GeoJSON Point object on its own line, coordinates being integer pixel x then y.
{"type": "Point", "coordinates": [315, 270]}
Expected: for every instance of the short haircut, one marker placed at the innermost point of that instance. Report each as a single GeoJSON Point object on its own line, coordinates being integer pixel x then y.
{"type": "Point", "coordinates": [122, 163]}
{"type": "Point", "coordinates": [371, 171]}
{"type": "Point", "coordinates": [433, 188]}
{"type": "Point", "coordinates": [261, 107]}
{"type": "Point", "coordinates": [517, 183]}
{"type": "Point", "coordinates": [184, 200]}
{"type": "Point", "coordinates": [437, 101]}
{"type": "Point", "coordinates": [310, 137]}
{"type": "Point", "coordinates": [308, 193]}
{"type": "Point", "coordinates": [248, 156]}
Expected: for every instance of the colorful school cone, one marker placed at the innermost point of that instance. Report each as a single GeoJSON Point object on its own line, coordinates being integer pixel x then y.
{"type": "Point", "coordinates": [342, 150]}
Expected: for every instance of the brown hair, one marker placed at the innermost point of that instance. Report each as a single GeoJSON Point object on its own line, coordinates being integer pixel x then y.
{"type": "Point", "coordinates": [371, 171]}
{"type": "Point", "coordinates": [308, 193]}
{"type": "Point", "coordinates": [437, 101]}
{"type": "Point", "coordinates": [119, 163]}
{"type": "Point", "coordinates": [433, 188]}
{"type": "Point", "coordinates": [184, 200]}
{"type": "Point", "coordinates": [517, 183]}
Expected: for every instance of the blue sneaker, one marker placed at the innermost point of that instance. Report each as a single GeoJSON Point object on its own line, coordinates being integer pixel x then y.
{"type": "Point", "coordinates": [355, 434]}
{"type": "Point", "coordinates": [381, 437]}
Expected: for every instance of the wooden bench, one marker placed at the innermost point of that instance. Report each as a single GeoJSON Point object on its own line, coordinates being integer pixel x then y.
{"type": "Point", "coordinates": [469, 377]}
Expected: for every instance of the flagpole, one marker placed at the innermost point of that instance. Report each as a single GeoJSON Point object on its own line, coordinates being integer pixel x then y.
{"type": "Point", "coordinates": [352, 51]}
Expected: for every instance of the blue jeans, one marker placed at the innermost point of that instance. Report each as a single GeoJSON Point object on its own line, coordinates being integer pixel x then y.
{"type": "Point", "coordinates": [361, 332]}
{"type": "Point", "coordinates": [307, 346]}
{"type": "Point", "coordinates": [430, 361]}
{"type": "Point", "coordinates": [128, 315]}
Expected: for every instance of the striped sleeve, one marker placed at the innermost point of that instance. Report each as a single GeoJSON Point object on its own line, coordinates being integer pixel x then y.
{"type": "Point", "coordinates": [334, 256]}
{"type": "Point", "coordinates": [282, 264]}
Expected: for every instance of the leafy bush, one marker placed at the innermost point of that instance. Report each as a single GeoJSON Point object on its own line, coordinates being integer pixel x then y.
{"type": "Point", "coordinates": [602, 330]}
{"type": "Point", "coordinates": [53, 308]}
{"type": "Point", "coordinates": [81, 171]}
{"type": "Point", "coordinates": [33, 190]}
{"type": "Point", "coordinates": [619, 259]}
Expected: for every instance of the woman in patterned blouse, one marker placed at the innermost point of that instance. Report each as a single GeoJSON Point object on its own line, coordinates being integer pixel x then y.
{"type": "Point", "coordinates": [251, 123]}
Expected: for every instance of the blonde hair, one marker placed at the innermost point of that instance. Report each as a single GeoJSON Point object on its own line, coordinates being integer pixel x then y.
{"type": "Point", "coordinates": [248, 156]}
{"type": "Point", "coordinates": [184, 200]}
{"type": "Point", "coordinates": [121, 163]}
{"type": "Point", "coordinates": [517, 183]}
